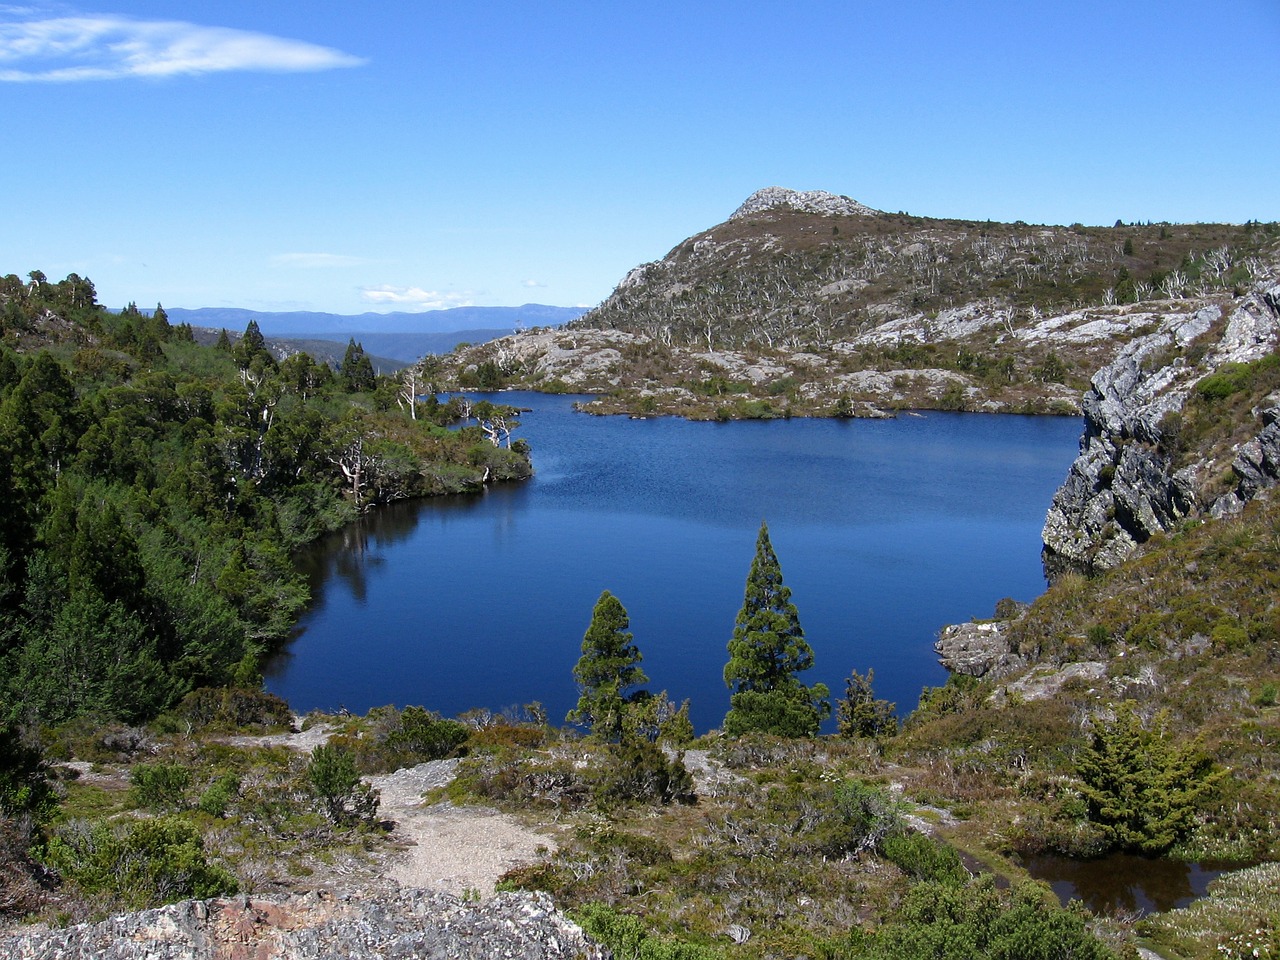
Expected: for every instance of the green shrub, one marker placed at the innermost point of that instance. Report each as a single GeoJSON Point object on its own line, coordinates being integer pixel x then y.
{"type": "Point", "coordinates": [627, 938]}
{"type": "Point", "coordinates": [640, 772]}
{"type": "Point", "coordinates": [942, 921]}
{"type": "Point", "coordinates": [24, 784]}
{"type": "Point", "coordinates": [868, 812]}
{"type": "Point", "coordinates": [426, 736]}
{"type": "Point", "coordinates": [335, 781]}
{"type": "Point", "coordinates": [507, 736]}
{"type": "Point", "coordinates": [233, 708]}
{"type": "Point", "coordinates": [159, 786]}
{"type": "Point", "coordinates": [1143, 786]}
{"type": "Point", "coordinates": [1266, 696]}
{"type": "Point", "coordinates": [924, 858]}
{"type": "Point", "coordinates": [145, 863]}
{"type": "Point", "coordinates": [219, 795]}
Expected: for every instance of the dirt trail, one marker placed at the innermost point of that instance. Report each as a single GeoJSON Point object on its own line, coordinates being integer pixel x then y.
{"type": "Point", "coordinates": [459, 850]}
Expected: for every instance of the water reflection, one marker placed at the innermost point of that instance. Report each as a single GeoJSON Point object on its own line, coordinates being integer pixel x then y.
{"type": "Point", "coordinates": [1126, 883]}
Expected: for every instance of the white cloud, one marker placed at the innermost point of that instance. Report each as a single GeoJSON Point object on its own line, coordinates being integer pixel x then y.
{"type": "Point", "coordinates": [111, 47]}
{"type": "Point", "coordinates": [414, 298]}
{"type": "Point", "coordinates": [533, 283]}
{"type": "Point", "coordinates": [317, 261]}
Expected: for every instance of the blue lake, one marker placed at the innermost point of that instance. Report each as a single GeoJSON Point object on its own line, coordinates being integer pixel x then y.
{"type": "Point", "coordinates": [886, 530]}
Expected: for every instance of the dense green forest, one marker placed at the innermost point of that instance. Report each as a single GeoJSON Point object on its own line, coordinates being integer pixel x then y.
{"type": "Point", "coordinates": [157, 488]}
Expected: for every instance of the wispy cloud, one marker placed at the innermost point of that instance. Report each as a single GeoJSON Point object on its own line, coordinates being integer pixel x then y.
{"type": "Point", "coordinates": [533, 283]}
{"type": "Point", "coordinates": [415, 298]}
{"type": "Point", "coordinates": [67, 49]}
{"type": "Point", "coordinates": [317, 261]}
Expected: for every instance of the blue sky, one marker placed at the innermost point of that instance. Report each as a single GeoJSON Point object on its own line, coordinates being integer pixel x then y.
{"type": "Point", "coordinates": [347, 157]}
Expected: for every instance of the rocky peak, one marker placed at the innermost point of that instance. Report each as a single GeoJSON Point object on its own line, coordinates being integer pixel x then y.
{"type": "Point", "coordinates": [805, 201]}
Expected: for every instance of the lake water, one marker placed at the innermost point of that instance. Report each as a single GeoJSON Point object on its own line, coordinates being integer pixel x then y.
{"type": "Point", "coordinates": [885, 529]}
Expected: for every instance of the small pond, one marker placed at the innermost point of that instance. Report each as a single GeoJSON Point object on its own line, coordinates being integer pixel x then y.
{"type": "Point", "coordinates": [1125, 882]}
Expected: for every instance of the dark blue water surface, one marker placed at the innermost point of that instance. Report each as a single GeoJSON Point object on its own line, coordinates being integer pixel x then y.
{"type": "Point", "coordinates": [885, 529]}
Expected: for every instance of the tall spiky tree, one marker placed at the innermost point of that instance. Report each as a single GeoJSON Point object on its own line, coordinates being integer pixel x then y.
{"type": "Point", "coordinates": [766, 652]}
{"type": "Point", "coordinates": [608, 669]}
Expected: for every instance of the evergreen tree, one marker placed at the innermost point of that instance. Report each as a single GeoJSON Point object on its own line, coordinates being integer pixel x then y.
{"type": "Point", "coordinates": [608, 668]}
{"type": "Point", "coordinates": [252, 346]}
{"type": "Point", "coordinates": [356, 370]}
{"type": "Point", "coordinates": [860, 714]}
{"type": "Point", "coordinates": [1141, 785]}
{"type": "Point", "coordinates": [766, 652]}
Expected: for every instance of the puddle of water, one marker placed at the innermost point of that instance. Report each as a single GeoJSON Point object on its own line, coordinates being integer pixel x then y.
{"type": "Point", "coordinates": [1125, 882]}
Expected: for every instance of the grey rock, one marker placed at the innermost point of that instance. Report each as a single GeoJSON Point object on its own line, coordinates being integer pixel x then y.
{"type": "Point", "coordinates": [1122, 488]}
{"type": "Point", "coordinates": [1046, 682]}
{"type": "Point", "coordinates": [409, 925]}
{"type": "Point", "coordinates": [806, 201]}
{"type": "Point", "coordinates": [977, 649]}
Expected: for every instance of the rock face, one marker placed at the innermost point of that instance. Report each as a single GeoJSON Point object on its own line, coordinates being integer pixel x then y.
{"type": "Point", "coordinates": [978, 649]}
{"type": "Point", "coordinates": [411, 924]}
{"type": "Point", "coordinates": [1124, 486]}
{"type": "Point", "coordinates": [806, 201]}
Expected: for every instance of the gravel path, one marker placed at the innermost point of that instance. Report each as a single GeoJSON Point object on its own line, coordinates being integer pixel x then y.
{"type": "Point", "coordinates": [458, 850]}
{"type": "Point", "coordinates": [461, 850]}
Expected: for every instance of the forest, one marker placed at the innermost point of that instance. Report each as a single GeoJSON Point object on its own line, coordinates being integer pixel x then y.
{"type": "Point", "coordinates": [158, 487]}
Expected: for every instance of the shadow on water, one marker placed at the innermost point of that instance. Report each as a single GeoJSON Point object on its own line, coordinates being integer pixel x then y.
{"type": "Point", "coordinates": [349, 555]}
{"type": "Point", "coordinates": [1126, 883]}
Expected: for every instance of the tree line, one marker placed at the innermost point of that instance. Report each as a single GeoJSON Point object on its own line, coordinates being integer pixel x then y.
{"type": "Point", "coordinates": [158, 487]}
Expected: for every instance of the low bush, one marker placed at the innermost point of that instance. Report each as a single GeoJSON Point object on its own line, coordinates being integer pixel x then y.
{"type": "Point", "coordinates": [219, 795]}
{"type": "Point", "coordinates": [233, 708]}
{"type": "Point", "coordinates": [346, 798]}
{"type": "Point", "coordinates": [143, 863]}
{"type": "Point", "coordinates": [640, 772]}
{"type": "Point", "coordinates": [627, 937]}
{"type": "Point", "coordinates": [939, 921]}
{"type": "Point", "coordinates": [924, 858]}
{"type": "Point", "coordinates": [159, 786]}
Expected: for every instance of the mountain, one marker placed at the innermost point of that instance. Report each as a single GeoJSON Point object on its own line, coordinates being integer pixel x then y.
{"type": "Point", "coordinates": [400, 337]}
{"type": "Point", "coordinates": [808, 303]}
{"type": "Point", "coordinates": [327, 326]}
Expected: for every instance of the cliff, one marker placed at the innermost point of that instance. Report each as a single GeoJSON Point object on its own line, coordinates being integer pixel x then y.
{"type": "Point", "coordinates": [1138, 472]}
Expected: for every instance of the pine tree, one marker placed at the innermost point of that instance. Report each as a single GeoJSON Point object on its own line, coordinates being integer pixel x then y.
{"type": "Point", "coordinates": [1141, 785]}
{"type": "Point", "coordinates": [766, 652]}
{"type": "Point", "coordinates": [860, 714]}
{"type": "Point", "coordinates": [356, 370]}
{"type": "Point", "coordinates": [608, 668]}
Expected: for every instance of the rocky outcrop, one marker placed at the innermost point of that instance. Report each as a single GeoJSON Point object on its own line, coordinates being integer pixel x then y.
{"type": "Point", "coordinates": [805, 201]}
{"type": "Point", "coordinates": [411, 924]}
{"type": "Point", "coordinates": [1125, 485]}
{"type": "Point", "coordinates": [978, 649]}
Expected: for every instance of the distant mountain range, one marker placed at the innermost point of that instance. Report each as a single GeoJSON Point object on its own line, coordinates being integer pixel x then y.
{"type": "Point", "coordinates": [398, 336]}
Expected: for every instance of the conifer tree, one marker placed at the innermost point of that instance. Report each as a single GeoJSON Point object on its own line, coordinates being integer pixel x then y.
{"type": "Point", "coordinates": [766, 652]}
{"type": "Point", "coordinates": [1143, 786]}
{"type": "Point", "coordinates": [357, 369]}
{"type": "Point", "coordinates": [608, 668]}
